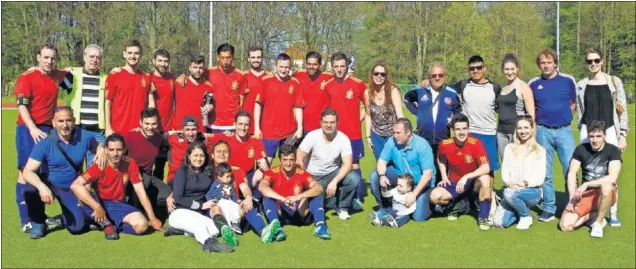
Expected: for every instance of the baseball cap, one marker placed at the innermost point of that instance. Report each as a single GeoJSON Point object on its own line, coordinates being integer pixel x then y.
{"type": "Point", "coordinates": [189, 121]}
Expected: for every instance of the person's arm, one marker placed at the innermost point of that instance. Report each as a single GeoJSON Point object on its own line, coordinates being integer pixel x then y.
{"type": "Point", "coordinates": [265, 188]}
{"type": "Point", "coordinates": [622, 114]}
{"type": "Point", "coordinates": [257, 119]}
{"type": "Point", "coordinates": [79, 189]}
{"type": "Point", "coordinates": [29, 173]}
{"type": "Point", "coordinates": [151, 100]}
{"type": "Point", "coordinates": [301, 155]}
{"type": "Point", "coordinates": [365, 102]}
{"type": "Point", "coordinates": [410, 101]}
{"type": "Point", "coordinates": [111, 93]}
{"type": "Point", "coordinates": [246, 191]}
{"type": "Point", "coordinates": [396, 99]}
{"type": "Point", "coordinates": [528, 100]}
{"type": "Point", "coordinates": [367, 122]}
{"type": "Point", "coordinates": [298, 114]}
{"type": "Point", "coordinates": [572, 95]}
{"type": "Point", "coordinates": [506, 165]}
{"type": "Point", "coordinates": [573, 169]}
{"type": "Point", "coordinates": [314, 190]}
{"type": "Point", "coordinates": [383, 161]}
{"type": "Point", "coordinates": [145, 202]}
{"type": "Point", "coordinates": [345, 168]}
{"type": "Point", "coordinates": [483, 169]}
{"type": "Point", "coordinates": [427, 175]}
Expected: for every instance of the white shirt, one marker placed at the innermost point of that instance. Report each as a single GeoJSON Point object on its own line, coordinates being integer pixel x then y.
{"type": "Point", "coordinates": [398, 202]}
{"type": "Point", "coordinates": [434, 95]}
{"type": "Point", "coordinates": [325, 157]}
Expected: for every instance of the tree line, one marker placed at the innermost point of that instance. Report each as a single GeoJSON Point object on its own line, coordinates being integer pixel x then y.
{"type": "Point", "coordinates": [407, 36]}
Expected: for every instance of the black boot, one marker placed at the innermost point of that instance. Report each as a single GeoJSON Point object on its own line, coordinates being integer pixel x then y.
{"type": "Point", "coordinates": [213, 245]}
{"type": "Point", "coordinates": [170, 231]}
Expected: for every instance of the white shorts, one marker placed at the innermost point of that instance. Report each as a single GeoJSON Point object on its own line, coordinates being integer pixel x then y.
{"type": "Point", "coordinates": [231, 210]}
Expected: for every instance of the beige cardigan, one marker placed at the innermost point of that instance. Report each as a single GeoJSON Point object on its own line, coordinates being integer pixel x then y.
{"type": "Point", "coordinates": [530, 168]}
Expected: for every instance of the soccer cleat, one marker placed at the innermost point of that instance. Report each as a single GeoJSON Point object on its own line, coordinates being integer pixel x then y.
{"type": "Point", "coordinates": [280, 235]}
{"type": "Point", "coordinates": [597, 230]}
{"type": "Point", "coordinates": [614, 221]}
{"type": "Point", "coordinates": [391, 222]}
{"type": "Point", "coordinates": [236, 227]}
{"type": "Point", "coordinates": [213, 245]}
{"type": "Point", "coordinates": [524, 223]}
{"type": "Point", "coordinates": [38, 230]}
{"type": "Point", "coordinates": [27, 228]}
{"type": "Point", "coordinates": [322, 232]}
{"type": "Point", "coordinates": [375, 220]}
{"type": "Point", "coordinates": [271, 230]}
{"type": "Point", "coordinates": [229, 235]}
{"type": "Point", "coordinates": [546, 216]}
{"type": "Point", "coordinates": [484, 224]}
{"type": "Point", "coordinates": [54, 221]}
{"type": "Point", "coordinates": [357, 205]}
{"type": "Point", "coordinates": [343, 214]}
{"type": "Point", "coordinates": [170, 231]}
{"type": "Point", "coordinates": [110, 233]}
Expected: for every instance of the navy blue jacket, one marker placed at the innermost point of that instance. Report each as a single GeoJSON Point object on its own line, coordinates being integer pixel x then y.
{"type": "Point", "coordinates": [420, 101]}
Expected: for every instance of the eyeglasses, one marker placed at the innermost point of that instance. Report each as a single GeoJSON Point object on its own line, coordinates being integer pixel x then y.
{"type": "Point", "coordinates": [382, 74]}
{"type": "Point", "coordinates": [437, 76]}
{"type": "Point", "coordinates": [473, 68]}
{"type": "Point", "coordinates": [596, 61]}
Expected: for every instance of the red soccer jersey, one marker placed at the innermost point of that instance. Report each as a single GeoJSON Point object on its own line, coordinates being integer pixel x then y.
{"type": "Point", "coordinates": [128, 94]}
{"type": "Point", "coordinates": [164, 99]}
{"type": "Point", "coordinates": [227, 91]}
{"type": "Point", "coordinates": [345, 98]}
{"type": "Point", "coordinates": [462, 160]}
{"type": "Point", "coordinates": [245, 154]}
{"type": "Point", "coordinates": [297, 184]}
{"type": "Point", "coordinates": [254, 86]}
{"type": "Point", "coordinates": [112, 181]}
{"type": "Point", "coordinates": [239, 178]}
{"type": "Point", "coordinates": [189, 99]}
{"type": "Point", "coordinates": [278, 100]}
{"type": "Point", "coordinates": [41, 90]}
{"type": "Point", "coordinates": [142, 149]}
{"type": "Point", "coordinates": [179, 146]}
{"type": "Point", "coordinates": [316, 100]}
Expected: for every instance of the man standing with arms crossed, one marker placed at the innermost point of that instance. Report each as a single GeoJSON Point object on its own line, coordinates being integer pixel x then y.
{"type": "Point", "coordinates": [311, 80]}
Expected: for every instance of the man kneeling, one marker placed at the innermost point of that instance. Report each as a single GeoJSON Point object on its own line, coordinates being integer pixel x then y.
{"type": "Point", "coordinates": [292, 193]}
{"type": "Point", "coordinates": [601, 164]}
{"type": "Point", "coordinates": [111, 186]}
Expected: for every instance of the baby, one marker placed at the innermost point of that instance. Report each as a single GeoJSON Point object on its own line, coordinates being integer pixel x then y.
{"type": "Point", "coordinates": [399, 214]}
{"type": "Point", "coordinates": [223, 192]}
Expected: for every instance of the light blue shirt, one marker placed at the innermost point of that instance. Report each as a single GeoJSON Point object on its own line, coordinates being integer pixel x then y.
{"type": "Point", "coordinates": [414, 158]}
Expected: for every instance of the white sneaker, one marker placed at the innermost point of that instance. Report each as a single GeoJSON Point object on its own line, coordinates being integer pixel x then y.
{"type": "Point", "coordinates": [27, 228]}
{"type": "Point", "coordinates": [524, 223]}
{"type": "Point", "coordinates": [590, 222]}
{"type": "Point", "coordinates": [597, 230]}
{"type": "Point", "coordinates": [343, 214]}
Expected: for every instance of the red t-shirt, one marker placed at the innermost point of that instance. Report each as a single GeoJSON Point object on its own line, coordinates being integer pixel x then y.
{"type": "Point", "coordinates": [189, 99]}
{"type": "Point", "coordinates": [345, 98]}
{"type": "Point", "coordinates": [142, 149]}
{"type": "Point", "coordinates": [128, 94]}
{"type": "Point", "coordinates": [164, 99]}
{"type": "Point", "coordinates": [245, 154]}
{"type": "Point", "coordinates": [316, 100]}
{"type": "Point", "coordinates": [254, 86]}
{"type": "Point", "coordinates": [178, 146]}
{"type": "Point", "coordinates": [239, 178]}
{"type": "Point", "coordinates": [227, 89]}
{"type": "Point", "coordinates": [286, 187]}
{"type": "Point", "coordinates": [41, 90]}
{"type": "Point", "coordinates": [278, 100]}
{"type": "Point", "coordinates": [462, 160]}
{"type": "Point", "coordinates": [111, 182]}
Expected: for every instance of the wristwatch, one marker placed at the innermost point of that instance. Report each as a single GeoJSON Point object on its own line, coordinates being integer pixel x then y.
{"type": "Point", "coordinates": [381, 175]}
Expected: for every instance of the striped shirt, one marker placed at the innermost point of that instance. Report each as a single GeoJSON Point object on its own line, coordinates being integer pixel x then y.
{"type": "Point", "coordinates": [90, 98]}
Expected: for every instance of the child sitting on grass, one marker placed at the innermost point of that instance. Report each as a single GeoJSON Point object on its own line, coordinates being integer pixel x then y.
{"type": "Point", "coordinates": [223, 192]}
{"type": "Point", "coordinates": [399, 214]}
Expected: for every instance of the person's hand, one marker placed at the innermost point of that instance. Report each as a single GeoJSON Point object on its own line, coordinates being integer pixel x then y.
{"type": "Point", "coordinates": [370, 143]}
{"type": "Point", "coordinates": [424, 83]}
{"type": "Point", "coordinates": [181, 80]}
{"type": "Point", "coordinates": [291, 200]}
{"type": "Point", "coordinates": [99, 214]}
{"type": "Point", "coordinates": [37, 134]}
{"type": "Point", "coordinates": [170, 204]}
{"type": "Point", "coordinates": [262, 164]}
{"type": "Point", "coordinates": [622, 143]}
{"type": "Point", "coordinates": [115, 70]}
{"type": "Point", "coordinates": [410, 199]}
{"type": "Point", "coordinates": [298, 134]}
{"type": "Point", "coordinates": [570, 207]}
{"type": "Point", "coordinates": [578, 194]}
{"type": "Point", "coordinates": [101, 157]}
{"type": "Point", "coordinates": [156, 224]}
{"type": "Point", "coordinates": [331, 189]}
{"type": "Point", "coordinates": [445, 182]}
{"type": "Point", "coordinates": [257, 133]}
{"type": "Point", "coordinates": [46, 195]}
{"type": "Point", "coordinates": [247, 204]}
{"type": "Point", "coordinates": [460, 185]}
{"type": "Point", "coordinates": [208, 204]}
{"type": "Point", "coordinates": [108, 132]}
{"type": "Point", "coordinates": [384, 182]}
{"type": "Point", "coordinates": [207, 108]}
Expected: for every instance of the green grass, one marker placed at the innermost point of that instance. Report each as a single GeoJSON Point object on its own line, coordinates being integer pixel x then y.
{"type": "Point", "coordinates": [355, 243]}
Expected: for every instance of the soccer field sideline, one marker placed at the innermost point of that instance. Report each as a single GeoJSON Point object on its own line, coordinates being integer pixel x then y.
{"type": "Point", "coordinates": [356, 243]}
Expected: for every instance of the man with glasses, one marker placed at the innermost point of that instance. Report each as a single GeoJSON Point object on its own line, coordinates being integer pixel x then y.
{"type": "Point", "coordinates": [434, 105]}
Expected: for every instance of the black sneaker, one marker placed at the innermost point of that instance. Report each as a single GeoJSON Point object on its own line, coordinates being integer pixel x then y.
{"type": "Point", "coordinates": [546, 216]}
{"type": "Point", "coordinates": [213, 245]}
{"type": "Point", "coordinates": [170, 231]}
{"type": "Point", "coordinates": [110, 233]}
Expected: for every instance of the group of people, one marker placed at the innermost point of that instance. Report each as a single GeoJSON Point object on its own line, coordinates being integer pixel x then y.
{"type": "Point", "coordinates": [220, 128]}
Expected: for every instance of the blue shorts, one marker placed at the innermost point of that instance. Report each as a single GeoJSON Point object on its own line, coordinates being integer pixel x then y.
{"type": "Point", "coordinates": [24, 142]}
{"type": "Point", "coordinates": [272, 145]}
{"type": "Point", "coordinates": [291, 216]}
{"type": "Point", "coordinates": [490, 144]}
{"type": "Point", "coordinates": [357, 148]}
{"type": "Point", "coordinates": [468, 188]}
{"type": "Point", "coordinates": [117, 211]}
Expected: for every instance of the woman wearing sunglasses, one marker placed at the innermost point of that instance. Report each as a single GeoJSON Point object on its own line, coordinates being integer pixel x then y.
{"type": "Point", "coordinates": [601, 97]}
{"type": "Point", "coordinates": [386, 108]}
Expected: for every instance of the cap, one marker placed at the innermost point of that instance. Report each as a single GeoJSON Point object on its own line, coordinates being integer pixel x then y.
{"type": "Point", "coordinates": [189, 121]}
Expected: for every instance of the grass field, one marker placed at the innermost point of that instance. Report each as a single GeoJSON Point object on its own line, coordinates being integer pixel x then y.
{"type": "Point", "coordinates": [355, 243]}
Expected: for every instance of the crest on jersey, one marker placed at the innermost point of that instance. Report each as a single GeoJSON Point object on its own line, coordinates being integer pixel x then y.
{"type": "Point", "coordinates": [425, 98]}
{"type": "Point", "coordinates": [143, 82]}
{"type": "Point", "coordinates": [447, 101]}
{"type": "Point", "coordinates": [291, 89]}
{"type": "Point", "coordinates": [349, 94]}
{"type": "Point", "coordinates": [125, 177]}
{"type": "Point", "coordinates": [235, 85]}
{"type": "Point", "coordinates": [250, 153]}
{"type": "Point", "coordinates": [468, 158]}
{"type": "Point", "coordinates": [297, 189]}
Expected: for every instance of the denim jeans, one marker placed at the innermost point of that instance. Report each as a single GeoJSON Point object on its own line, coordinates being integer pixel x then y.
{"type": "Point", "coordinates": [422, 203]}
{"type": "Point", "coordinates": [378, 143]}
{"type": "Point", "coordinates": [400, 220]}
{"type": "Point", "coordinates": [562, 141]}
{"type": "Point", "coordinates": [99, 136]}
{"type": "Point", "coordinates": [519, 203]}
{"type": "Point", "coordinates": [346, 188]}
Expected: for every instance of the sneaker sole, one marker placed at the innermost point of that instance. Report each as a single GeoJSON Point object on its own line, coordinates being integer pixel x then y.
{"type": "Point", "coordinates": [452, 217]}
{"type": "Point", "coordinates": [615, 224]}
{"type": "Point", "coordinates": [229, 236]}
{"type": "Point", "coordinates": [484, 228]}
{"type": "Point", "coordinates": [270, 231]}
{"type": "Point", "coordinates": [282, 238]}
{"type": "Point", "coordinates": [547, 220]}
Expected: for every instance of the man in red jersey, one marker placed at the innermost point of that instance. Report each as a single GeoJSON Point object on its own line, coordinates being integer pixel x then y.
{"type": "Point", "coordinates": [279, 108]}
{"type": "Point", "coordinates": [254, 78]}
{"type": "Point", "coordinates": [111, 185]}
{"type": "Point", "coordinates": [36, 92]}
{"type": "Point", "coordinates": [127, 92]}
{"type": "Point", "coordinates": [345, 95]}
{"type": "Point", "coordinates": [464, 166]}
{"type": "Point", "coordinates": [316, 100]}
{"type": "Point", "coordinates": [229, 90]}
{"type": "Point", "coordinates": [162, 84]}
{"type": "Point", "coordinates": [190, 96]}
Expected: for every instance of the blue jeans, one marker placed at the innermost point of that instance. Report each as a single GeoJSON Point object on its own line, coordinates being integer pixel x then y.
{"type": "Point", "coordinates": [400, 220]}
{"type": "Point", "coordinates": [378, 143]}
{"type": "Point", "coordinates": [422, 203]}
{"type": "Point", "coordinates": [562, 141]}
{"type": "Point", "coordinates": [519, 202]}
{"type": "Point", "coordinates": [99, 136]}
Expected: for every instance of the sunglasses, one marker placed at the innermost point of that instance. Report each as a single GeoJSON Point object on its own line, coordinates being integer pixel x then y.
{"type": "Point", "coordinates": [473, 68]}
{"type": "Point", "coordinates": [382, 74]}
{"type": "Point", "coordinates": [596, 61]}
{"type": "Point", "coordinates": [437, 76]}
